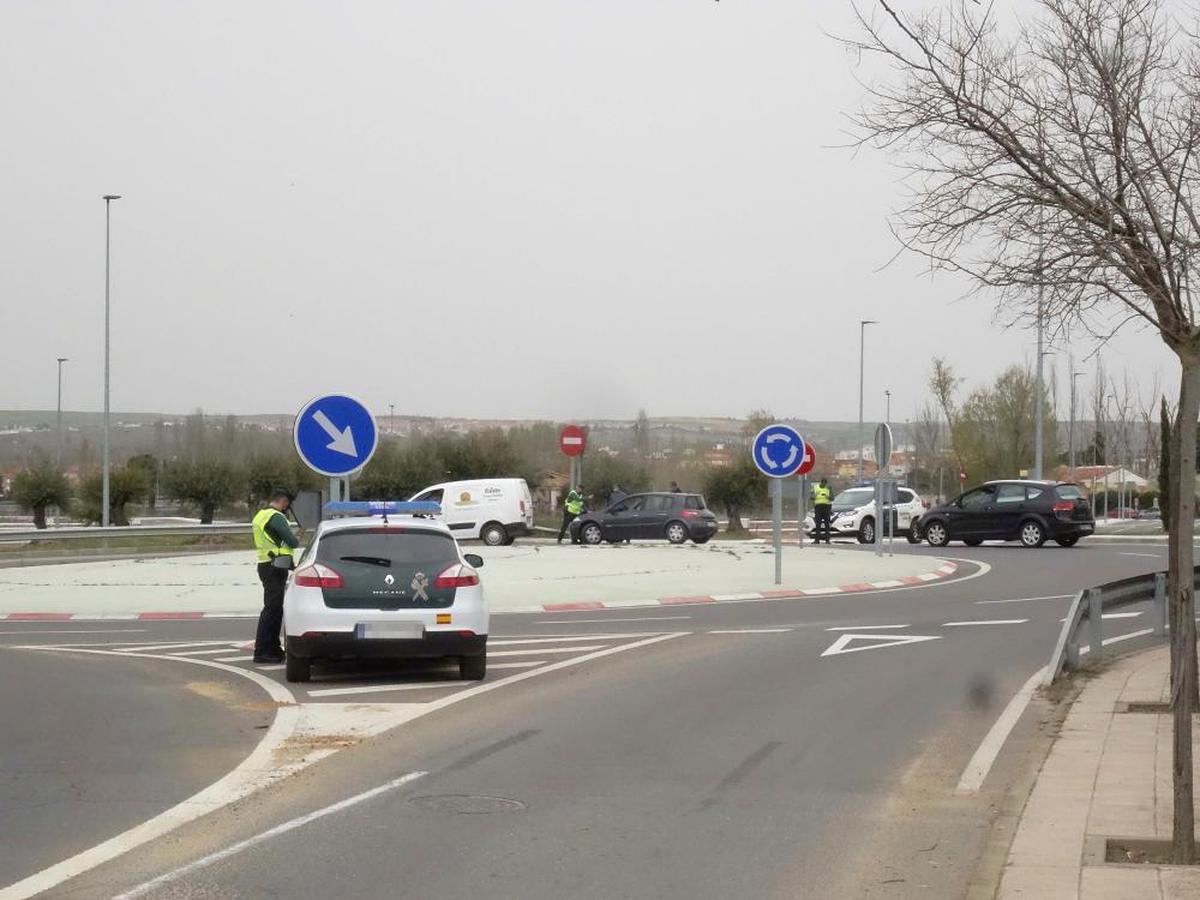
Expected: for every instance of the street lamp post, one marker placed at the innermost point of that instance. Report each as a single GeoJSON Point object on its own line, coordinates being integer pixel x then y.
{"type": "Point", "coordinates": [862, 328]}
{"type": "Point", "coordinates": [58, 413]}
{"type": "Point", "coordinates": [392, 418]}
{"type": "Point", "coordinates": [1071, 430]}
{"type": "Point", "coordinates": [888, 416]}
{"type": "Point", "coordinates": [104, 491]}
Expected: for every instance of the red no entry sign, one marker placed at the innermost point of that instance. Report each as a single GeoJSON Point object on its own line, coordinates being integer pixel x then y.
{"type": "Point", "coordinates": [810, 460]}
{"type": "Point", "coordinates": [572, 440]}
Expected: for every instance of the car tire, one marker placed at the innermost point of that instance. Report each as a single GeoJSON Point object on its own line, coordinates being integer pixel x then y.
{"type": "Point", "coordinates": [493, 534]}
{"type": "Point", "coordinates": [1032, 534]}
{"type": "Point", "coordinates": [1067, 541]}
{"type": "Point", "coordinates": [592, 534]}
{"type": "Point", "coordinates": [472, 668]}
{"type": "Point", "coordinates": [936, 534]}
{"type": "Point", "coordinates": [866, 531]}
{"type": "Point", "coordinates": [677, 533]}
{"type": "Point", "coordinates": [297, 668]}
{"type": "Point", "coordinates": [914, 533]}
{"type": "Point", "coordinates": [972, 542]}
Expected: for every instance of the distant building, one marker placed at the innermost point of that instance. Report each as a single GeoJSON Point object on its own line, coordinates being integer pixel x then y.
{"type": "Point", "coordinates": [1103, 477]}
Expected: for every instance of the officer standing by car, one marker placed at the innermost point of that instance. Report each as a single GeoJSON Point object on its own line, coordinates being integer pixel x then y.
{"type": "Point", "coordinates": [572, 507]}
{"type": "Point", "coordinates": [273, 538]}
{"type": "Point", "coordinates": [822, 499]}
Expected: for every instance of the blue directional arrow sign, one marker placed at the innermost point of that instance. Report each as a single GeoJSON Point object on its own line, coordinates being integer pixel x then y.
{"type": "Point", "coordinates": [335, 435]}
{"type": "Point", "coordinates": [778, 451]}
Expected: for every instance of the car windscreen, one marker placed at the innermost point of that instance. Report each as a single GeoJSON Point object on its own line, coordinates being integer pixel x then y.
{"type": "Point", "coordinates": [1068, 492]}
{"type": "Point", "coordinates": [853, 499]}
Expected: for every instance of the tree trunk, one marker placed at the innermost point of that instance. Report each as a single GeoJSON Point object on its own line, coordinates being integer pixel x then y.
{"type": "Point", "coordinates": [39, 515]}
{"type": "Point", "coordinates": [207, 511]}
{"type": "Point", "coordinates": [1180, 580]}
{"type": "Point", "coordinates": [735, 518]}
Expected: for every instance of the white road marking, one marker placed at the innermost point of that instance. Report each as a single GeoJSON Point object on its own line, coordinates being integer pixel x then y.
{"type": "Point", "coordinates": [375, 688]}
{"type": "Point", "coordinates": [1027, 599]}
{"type": "Point", "coordinates": [76, 631]}
{"type": "Point", "coordinates": [1146, 555]}
{"type": "Point", "coordinates": [602, 621]}
{"type": "Point", "coordinates": [556, 639]}
{"type": "Point", "coordinates": [750, 631]}
{"type": "Point", "coordinates": [259, 768]}
{"type": "Point", "coordinates": [290, 825]}
{"type": "Point", "coordinates": [540, 650]}
{"type": "Point", "coordinates": [985, 754]}
{"type": "Point", "coordinates": [985, 622]}
{"type": "Point", "coordinates": [231, 658]}
{"type": "Point", "coordinates": [174, 645]}
{"type": "Point", "coordinates": [525, 664]}
{"type": "Point", "coordinates": [273, 667]}
{"type": "Point", "coordinates": [841, 645]}
{"type": "Point", "coordinates": [1120, 615]}
{"type": "Point", "coordinates": [863, 627]}
{"type": "Point", "coordinates": [726, 598]}
{"type": "Point", "coordinates": [209, 652]}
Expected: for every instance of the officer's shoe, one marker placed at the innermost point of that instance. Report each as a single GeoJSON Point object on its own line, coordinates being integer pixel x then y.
{"type": "Point", "coordinates": [273, 657]}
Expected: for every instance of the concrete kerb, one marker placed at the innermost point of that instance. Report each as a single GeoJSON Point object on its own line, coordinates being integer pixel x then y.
{"type": "Point", "coordinates": [220, 586]}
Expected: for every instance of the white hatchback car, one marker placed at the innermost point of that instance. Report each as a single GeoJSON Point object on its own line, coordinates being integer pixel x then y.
{"type": "Point", "coordinates": [853, 515]}
{"type": "Point", "coordinates": [385, 586]}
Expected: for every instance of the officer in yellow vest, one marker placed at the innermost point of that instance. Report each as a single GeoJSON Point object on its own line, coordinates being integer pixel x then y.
{"type": "Point", "coordinates": [273, 538]}
{"type": "Point", "coordinates": [572, 507]}
{"type": "Point", "coordinates": [822, 500]}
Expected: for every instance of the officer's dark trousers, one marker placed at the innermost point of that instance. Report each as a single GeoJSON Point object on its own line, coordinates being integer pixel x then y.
{"type": "Point", "coordinates": [270, 620]}
{"type": "Point", "coordinates": [568, 518]}
{"type": "Point", "coordinates": [821, 522]}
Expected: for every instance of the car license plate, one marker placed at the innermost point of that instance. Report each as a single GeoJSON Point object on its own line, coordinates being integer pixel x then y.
{"type": "Point", "coordinates": [402, 631]}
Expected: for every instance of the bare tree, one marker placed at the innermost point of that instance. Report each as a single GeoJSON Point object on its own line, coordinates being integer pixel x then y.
{"type": "Point", "coordinates": [1061, 158]}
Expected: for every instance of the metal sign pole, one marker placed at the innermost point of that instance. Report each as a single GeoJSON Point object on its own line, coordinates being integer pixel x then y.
{"type": "Point", "coordinates": [878, 517]}
{"type": "Point", "coordinates": [777, 508]}
{"type": "Point", "coordinates": [802, 511]}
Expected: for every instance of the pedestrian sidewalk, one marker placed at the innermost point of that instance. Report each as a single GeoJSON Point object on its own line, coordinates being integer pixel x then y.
{"type": "Point", "coordinates": [1108, 775]}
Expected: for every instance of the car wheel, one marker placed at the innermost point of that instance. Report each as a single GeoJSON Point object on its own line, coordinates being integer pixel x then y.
{"type": "Point", "coordinates": [494, 535]}
{"type": "Point", "coordinates": [866, 531]}
{"type": "Point", "coordinates": [591, 533]}
{"type": "Point", "coordinates": [1067, 541]}
{"type": "Point", "coordinates": [936, 534]}
{"type": "Point", "coordinates": [297, 668]}
{"type": "Point", "coordinates": [972, 542]}
{"type": "Point", "coordinates": [1032, 534]}
{"type": "Point", "coordinates": [914, 533]}
{"type": "Point", "coordinates": [472, 668]}
{"type": "Point", "coordinates": [677, 532]}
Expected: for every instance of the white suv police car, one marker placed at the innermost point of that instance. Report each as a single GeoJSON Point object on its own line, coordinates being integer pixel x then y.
{"type": "Point", "coordinates": [386, 582]}
{"type": "Point", "coordinates": [853, 515]}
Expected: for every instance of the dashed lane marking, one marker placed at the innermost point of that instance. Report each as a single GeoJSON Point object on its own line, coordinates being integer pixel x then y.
{"type": "Point", "coordinates": [230, 658]}
{"type": "Point", "coordinates": [864, 627]}
{"type": "Point", "coordinates": [570, 621]}
{"type": "Point", "coordinates": [210, 652]}
{"type": "Point", "coordinates": [539, 650]}
{"type": "Point", "coordinates": [1026, 599]}
{"type": "Point", "coordinates": [559, 639]}
{"type": "Point", "coordinates": [379, 688]}
{"type": "Point", "coordinates": [750, 631]}
{"type": "Point", "coordinates": [985, 622]}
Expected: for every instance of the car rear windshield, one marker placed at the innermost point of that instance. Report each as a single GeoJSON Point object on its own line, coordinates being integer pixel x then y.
{"type": "Point", "coordinates": [1068, 492]}
{"type": "Point", "coordinates": [387, 547]}
{"type": "Point", "coordinates": [853, 499]}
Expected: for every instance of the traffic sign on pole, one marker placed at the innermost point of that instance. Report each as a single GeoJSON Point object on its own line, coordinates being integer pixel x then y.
{"type": "Point", "coordinates": [883, 448]}
{"type": "Point", "coordinates": [778, 451]}
{"type": "Point", "coordinates": [335, 435]}
{"type": "Point", "coordinates": [572, 440]}
{"type": "Point", "coordinates": [810, 460]}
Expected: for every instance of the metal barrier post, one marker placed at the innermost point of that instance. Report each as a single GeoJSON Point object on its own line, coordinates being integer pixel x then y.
{"type": "Point", "coordinates": [1158, 606]}
{"type": "Point", "coordinates": [1095, 623]}
{"type": "Point", "coordinates": [1071, 657]}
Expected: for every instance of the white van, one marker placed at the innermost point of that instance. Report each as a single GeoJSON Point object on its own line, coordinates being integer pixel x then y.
{"type": "Point", "coordinates": [494, 510]}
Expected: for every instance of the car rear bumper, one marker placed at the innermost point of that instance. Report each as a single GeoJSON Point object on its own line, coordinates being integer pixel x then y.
{"type": "Point", "coordinates": [1068, 528]}
{"type": "Point", "coordinates": [342, 645]}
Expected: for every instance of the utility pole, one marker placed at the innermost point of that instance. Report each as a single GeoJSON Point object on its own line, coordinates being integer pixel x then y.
{"type": "Point", "coordinates": [1039, 407]}
{"type": "Point", "coordinates": [862, 327]}
{"type": "Point", "coordinates": [104, 492]}
{"type": "Point", "coordinates": [1071, 431]}
{"type": "Point", "coordinates": [888, 417]}
{"type": "Point", "coordinates": [58, 414]}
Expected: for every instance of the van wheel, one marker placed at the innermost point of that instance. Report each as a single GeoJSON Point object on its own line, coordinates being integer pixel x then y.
{"type": "Point", "coordinates": [677, 532]}
{"type": "Point", "coordinates": [866, 531]}
{"type": "Point", "coordinates": [493, 534]}
{"type": "Point", "coordinates": [472, 668]}
{"type": "Point", "coordinates": [298, 668]}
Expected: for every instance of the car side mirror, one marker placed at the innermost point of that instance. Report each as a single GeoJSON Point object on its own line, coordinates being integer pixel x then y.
{"type": "Point", "coordinates": [283, 561]}
{"type": "Point", "coordinates": [474, 560]}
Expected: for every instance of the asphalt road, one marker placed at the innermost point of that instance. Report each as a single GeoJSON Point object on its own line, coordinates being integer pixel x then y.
{"type": "Point", "coordinates": [693, 751]}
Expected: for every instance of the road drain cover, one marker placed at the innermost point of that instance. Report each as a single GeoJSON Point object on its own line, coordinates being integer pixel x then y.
{"type": "Point", "coordinates": [467, 804]}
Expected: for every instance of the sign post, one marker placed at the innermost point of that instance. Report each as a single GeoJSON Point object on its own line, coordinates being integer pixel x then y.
{"type": "Point", "coordinates": [335, 435]}
{"type": "Point", "coordinates": [810, 460]}
{"type": "Point", "coordinates": [778, 452]}
{"type": "Point", "coordinates": [883, 459]}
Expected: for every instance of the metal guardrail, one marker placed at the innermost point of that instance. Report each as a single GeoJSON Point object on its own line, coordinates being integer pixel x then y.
{"type": "Point", "coordinates": [28, 535]}
{"type": "Point", "coordinates": [1089, 606]}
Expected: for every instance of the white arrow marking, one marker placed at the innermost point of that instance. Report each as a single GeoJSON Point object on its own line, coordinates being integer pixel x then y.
{"type": "Point", "coordinates": [343, 441]}
{"type": "Point", "coordinates": [878, 640]}
{"type": "Point", "coordinates": [766, 458]}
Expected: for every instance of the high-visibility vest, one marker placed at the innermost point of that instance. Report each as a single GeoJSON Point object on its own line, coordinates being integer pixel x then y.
{"type": "Point", "coordinates": [265, 545]}
{"type": "Point", "coordinates": [821, 495]}
{"type": "Point", "coordinates": [574, 503]}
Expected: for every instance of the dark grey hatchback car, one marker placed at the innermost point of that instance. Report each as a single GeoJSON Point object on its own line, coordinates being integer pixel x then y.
{"type": "Point", "coordinates": [1031, 512]}
{"type": "Point", "coordinates": [676, 517]}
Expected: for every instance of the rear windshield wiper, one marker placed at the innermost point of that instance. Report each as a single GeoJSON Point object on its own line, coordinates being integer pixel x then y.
{"type": "Point", "coordinates": [369, 560]}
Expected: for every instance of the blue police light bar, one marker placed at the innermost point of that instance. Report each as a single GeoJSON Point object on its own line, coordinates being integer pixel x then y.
{"type": "Point", "coordinates": [384, 508]}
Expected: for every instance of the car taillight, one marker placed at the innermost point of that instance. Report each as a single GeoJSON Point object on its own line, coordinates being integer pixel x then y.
{"type": "Point", "coordinates": [691, 513]}
{"type": "Point", "coordinates": [317, 575]}
{"type": "Point", "coordinates": [522, 507]}
{"type": "Point", "coordinates": [456, 576]}
{"type": "Point", "coordinates": [1063, 506]}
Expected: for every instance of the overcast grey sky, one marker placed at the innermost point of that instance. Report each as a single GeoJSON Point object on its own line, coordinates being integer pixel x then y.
{"type": "Point", "coordinates": [544, 208]}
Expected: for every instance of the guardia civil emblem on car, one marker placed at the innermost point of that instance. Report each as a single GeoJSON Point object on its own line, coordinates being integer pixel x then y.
{"type": "Point", "coordinates": [420, 580]}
